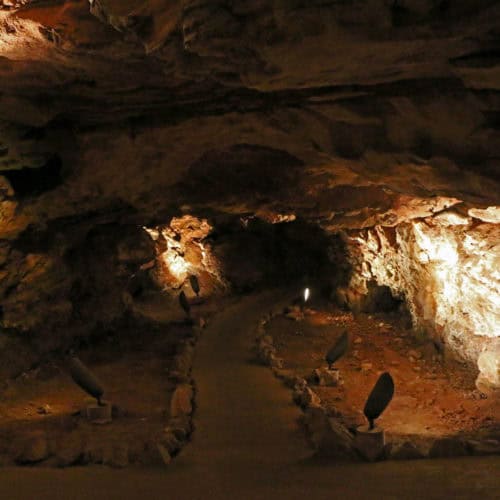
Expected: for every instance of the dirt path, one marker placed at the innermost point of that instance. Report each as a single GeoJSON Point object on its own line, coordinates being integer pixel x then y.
{"type": "Point", "coordinates": [246, 445]}
{"type": "Point", "coordinates": [243, 413]}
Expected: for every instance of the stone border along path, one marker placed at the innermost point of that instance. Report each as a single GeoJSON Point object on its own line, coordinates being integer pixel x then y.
{"type": "Point", "coordinates": [246, 444]}
{"type": "Point", "coordinates": [36, 450]}
{"type": "Point", "coordinates": [180, 424]}
{"type": "Point", "coordinates": [330, 438]}
{"type": "Point", "coordinates": [240, 413]}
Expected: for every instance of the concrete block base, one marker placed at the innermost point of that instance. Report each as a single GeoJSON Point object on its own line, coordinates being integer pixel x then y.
{"type": "Point", "coordinates": [99, 414]}
{"type": "Point", "coordinates": [370, 442]}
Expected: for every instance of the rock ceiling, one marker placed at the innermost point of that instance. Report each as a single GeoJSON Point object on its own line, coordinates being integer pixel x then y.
{"type": "Point", "coordinates": [346, 112]}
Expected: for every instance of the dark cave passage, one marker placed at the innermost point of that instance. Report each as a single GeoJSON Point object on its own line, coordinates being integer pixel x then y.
{"type": "Point", "coordinates": [29, 181]}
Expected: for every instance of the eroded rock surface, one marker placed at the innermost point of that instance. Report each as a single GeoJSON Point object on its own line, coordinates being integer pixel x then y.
{"type": "Point", "coordinates": [360, 115]}
{"type": "Point", "coordinates": [443, 268]}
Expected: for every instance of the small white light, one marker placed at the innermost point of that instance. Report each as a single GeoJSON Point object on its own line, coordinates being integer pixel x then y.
{"type": "Point", "coordinates": [306, 294]}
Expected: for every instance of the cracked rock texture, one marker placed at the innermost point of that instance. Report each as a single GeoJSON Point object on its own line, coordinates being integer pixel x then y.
{"type": "Point", "coordinates": [372, 115]}
{"type": "Point", "coordinates": [445, 268]}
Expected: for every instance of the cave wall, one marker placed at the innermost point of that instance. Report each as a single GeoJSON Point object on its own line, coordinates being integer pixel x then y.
{"type": "Point", "coordinates": [446, 270]}
{"type": "Point", "coordinates": [241, 254]}
{"type": "Point", "coordinates": [347, 115]}
{"type": "Point", "coordinates": [183, 250]}
{"type": "Point", "coordinates": [62, 284]}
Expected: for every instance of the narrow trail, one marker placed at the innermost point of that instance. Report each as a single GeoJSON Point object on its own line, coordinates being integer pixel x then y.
{"type": "Point", "coordinates": [247, 445]}
{"type": "Point", "coordinates": [243, 413]}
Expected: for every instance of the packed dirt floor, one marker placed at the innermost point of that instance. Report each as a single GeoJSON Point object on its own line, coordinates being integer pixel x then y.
{"type": "Point", "coordinates": [132, 368]}
{"type": "Point", "coordinates": [434, 397]}
{"type": "Point", "coordinates": [247, 443]}
{"type": "Point", "coordinates": [133, 364]}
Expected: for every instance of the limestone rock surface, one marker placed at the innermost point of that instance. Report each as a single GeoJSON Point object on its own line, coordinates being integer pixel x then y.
{"type": "Point", "coordinates": [367, 117]}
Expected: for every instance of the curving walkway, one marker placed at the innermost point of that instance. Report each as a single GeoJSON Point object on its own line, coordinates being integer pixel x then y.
{"type": "Point", "coordinates": [247, 444]}
{"type": "Point", "coordinates": [243, 413]}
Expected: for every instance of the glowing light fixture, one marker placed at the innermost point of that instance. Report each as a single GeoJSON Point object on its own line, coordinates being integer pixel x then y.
{"type": "Point", "coordinates": [307, 293]}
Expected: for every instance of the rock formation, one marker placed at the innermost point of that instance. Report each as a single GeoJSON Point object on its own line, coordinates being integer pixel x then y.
{"type": "Point", "coordinates": [374, 119]}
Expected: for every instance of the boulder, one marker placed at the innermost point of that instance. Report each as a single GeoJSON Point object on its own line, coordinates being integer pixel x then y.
{"type": "Point", "coordinates": [70, 450]}
{"type": "Point", "coordinates": [276, 363]}
{"type": "Point", "coordinates": [170, 442]}
{"type": "Point", "coordinates": [295, 313]}
{"type": "Point", "coordinates": [181, 367]}
{"type": "Point", "coordinates": [305, 397]}
{"type": "Point", "coordinates": [95, 454]}
{"type": "Point", "coordinates": [265, 354]}
{"type": "Point", "coordinates": [181, 427]}
{"type": "Point", "coordinates": [488, 363]}
{"type": "Point", "coordinates": [119, 457]}
{"type": "Point", "coordinates": [32, 449]}
{"type": "Point", "coordinates": [266, 340]}
{"type": "Point", "coordinates": [328, 436]}
{"type": "Point", "coordinates": [484, 447]}
{"type": "Point", "coordinates": [370, 443]}
{"type": "Point", "coordinates": [164, 453]}
{"type": "Point", "coordinates": [326, 377]}
{"type": "Point", "coordinates": [448, 447]}
{"type": "Point", "coordinates": [406, 451]}
{"type": "Point", "coordinates": [112, 454]}
{"type": "Point", "coordinates": [181, 402]}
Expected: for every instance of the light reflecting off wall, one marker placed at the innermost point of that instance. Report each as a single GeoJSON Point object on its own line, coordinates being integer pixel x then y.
{"type": "Point", "coordinates": [176, 264]}
{"type": "Point", "coordinates": [441, 250]}
{"type": "Point", "coordinates": [181, 252]}
{"type": "Point", "coordinates": [463, 277]}
{"type": "Point", "coordinates": [448, 273]}
{"type": "Point", "coordinates": [20, 39]}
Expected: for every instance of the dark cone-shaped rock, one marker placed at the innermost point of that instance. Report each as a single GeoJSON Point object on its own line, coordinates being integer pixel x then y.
{"type": "Point", "coordinates": [338, 350]}
{"type": "Point", "coordinates": [379, 398]}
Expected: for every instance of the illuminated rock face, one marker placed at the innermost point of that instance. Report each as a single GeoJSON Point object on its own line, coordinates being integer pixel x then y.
{"type": "Point", "coordinates": [58, 286]}
{"type": "Point", "coordinates": [446, 269]}
{"type": "Point", "coordinates": [140, 107]}
{"type": "Point", "coordinates": [183, 252]}
{"type": "Point", "coordinates": [489, 367]}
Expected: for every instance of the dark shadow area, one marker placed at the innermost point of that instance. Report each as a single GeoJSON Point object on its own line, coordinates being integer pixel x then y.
{"type": "Point", "coordinates": [400, 15]}
{"type": "Point", "coordinates": [380, 298]}
{"type": "Point", "coordinates": [481, 59]}
{"type": "Point", "coordinates": [243, 169]}
{"type": "Point", "coordinates": [34, 181]}
{"type": "Point", "coordinates": [256, 254]}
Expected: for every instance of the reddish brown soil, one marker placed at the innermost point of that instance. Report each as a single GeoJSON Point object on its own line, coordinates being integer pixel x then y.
{"type": "Point", "coordinates": [134, 372]}
{"type": "Point", "coordinates": [133, 367]}
{"type": "Point", "coordinates": [433, 397]}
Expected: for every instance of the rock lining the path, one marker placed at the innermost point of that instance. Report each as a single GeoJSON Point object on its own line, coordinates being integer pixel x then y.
{"type": "Point", "coordinates": [180, 425]}
{"type": "Point", "coordinates": [74, 448]}
{"type": "Point", "coordinates": [330, 437]}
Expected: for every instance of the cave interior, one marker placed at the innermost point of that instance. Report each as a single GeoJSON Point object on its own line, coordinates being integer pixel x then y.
{"type": "Point", "coordinates": [164, 163]}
